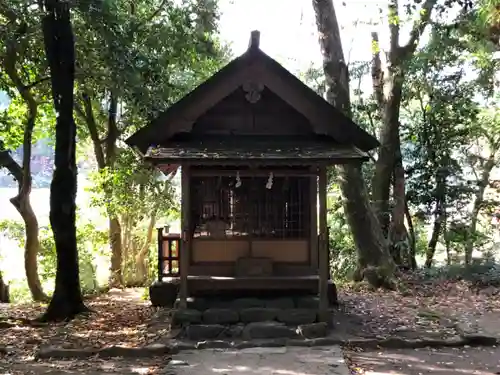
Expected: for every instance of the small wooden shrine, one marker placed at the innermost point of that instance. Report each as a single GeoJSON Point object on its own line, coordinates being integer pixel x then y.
{"type": "Point", "coordinates": [253, 144]}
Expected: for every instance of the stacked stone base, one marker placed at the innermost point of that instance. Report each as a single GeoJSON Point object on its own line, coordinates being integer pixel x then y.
{"type": "Point", "coordinates": [164, 294]}
{"type": "Point", "coordinates": [250, 319]}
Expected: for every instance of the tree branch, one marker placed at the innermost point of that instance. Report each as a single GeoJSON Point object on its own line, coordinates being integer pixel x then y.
{"type": "Point", "coordinates": [113, 132]}
{"type": "Point", "coordinates": [418, 28]}
{"type": "Point", "coordinates": [377, 73]}
{"type": "Point", "coordinates": [150, 18]}
{"type": "Point", "coordinates": [88, 114]}
{"type": "Point", "coordinates": [394, 27]}
{"type": "Point", "coordinates": [9, 64]}
{"type": "Point", "coordinates": [37, 82]}
{"type": "Point", "coordinates": [8, 162]}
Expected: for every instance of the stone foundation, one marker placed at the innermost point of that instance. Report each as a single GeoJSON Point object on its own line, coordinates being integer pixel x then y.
{"type": "Point", "coordinates": [164, 294]}
{"type": "Point", "coordinates": [249, 319]}
{"type": "Point", "coordinates": [283, 303]}
{"type": "Point", "coordinates": [252, 331]}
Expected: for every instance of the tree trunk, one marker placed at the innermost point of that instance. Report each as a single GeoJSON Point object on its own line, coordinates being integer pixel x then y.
{"type": "Point", "coordinates": [439, 218]}
{"type": "Point", "coordinates": [436, 231]}
{"type": "Point", "coordinates": [32, 245]}
{"type": "Point", "coordinates": [375, 263]}
{"type": "Point", "coordinates": [31, 248]}
{"type": "Point", "coordinates": [140, 259]}
{"type": "Point", "coordinates": [4, 291]}
{"type": "Point", "coordinates": [386, 162]}
{"type": "Point", "coordinates": [23, 176]}
{"type": "Point", "coordinates": [106, 159]}
{"type": "Point", "coordinates": [390, 106]}
{"type": "Point", "coordinates": [399, 234]}
{"type": "Point", "coordinates": [67, 299]}
{"type": "Point", "coordinates": [412, 238]}
{"type": "Point", "coordinates": [115, 240]}
{"type": "Point", "coordinates": [478, 202]}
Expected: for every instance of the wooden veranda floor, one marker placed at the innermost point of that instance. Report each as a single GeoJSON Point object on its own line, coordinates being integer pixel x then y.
{"type": "Point", "coordinates": [250, 285]}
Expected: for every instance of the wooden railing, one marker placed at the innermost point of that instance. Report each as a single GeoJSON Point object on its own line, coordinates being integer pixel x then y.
{"type": "Point", "coordinates": [169, 247]}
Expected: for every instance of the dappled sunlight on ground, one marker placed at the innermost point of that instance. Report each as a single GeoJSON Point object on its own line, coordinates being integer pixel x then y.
{"type": "Point", "coordinates": [444, 361]}
{"type": "Point", "coordinates": [260, 361]}
{"type": "Point", "coordinates": [91, 366]}
{"type": "Point", "coordinates": [118, 318]}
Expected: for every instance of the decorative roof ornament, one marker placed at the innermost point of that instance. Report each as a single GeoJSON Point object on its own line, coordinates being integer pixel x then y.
{"type": "Point", "coordinates": [254, 42]}
{"type": "Point", "coordinates": [253, 91]}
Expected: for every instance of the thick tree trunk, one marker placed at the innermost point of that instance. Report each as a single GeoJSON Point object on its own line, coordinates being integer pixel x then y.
{"type": "Point", "coordinates": [386, 162]}
{"type": "Point", "coordinates": [399, 234]}
{"type": "Point", "coordinates": [375, 263]}
{"type": "Point", "coordinates": [478, 202]}
{"type": "Point", "coordinates": [390, 105]}
{"type": "Point", "coordinates": [67, 299]}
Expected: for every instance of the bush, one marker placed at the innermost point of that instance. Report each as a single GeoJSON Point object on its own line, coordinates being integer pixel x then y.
{"type": "Point", "coordinates": [480, 273]}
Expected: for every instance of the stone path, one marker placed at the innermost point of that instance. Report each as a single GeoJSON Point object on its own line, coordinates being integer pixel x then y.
{"type": "Point", "coordinates": [253, 361]}
{"type": "Point", "coordinates": [444, 361]}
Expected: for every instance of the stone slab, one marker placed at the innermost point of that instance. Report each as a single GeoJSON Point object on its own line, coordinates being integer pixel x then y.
{"type": "Point", "coordinates": [258, 314]}
{"type": "Point", "coordinates": [314, 330]}
{"type": "Point", "coordinates": [246, 303]}
{"type": "Point", "coordinates": [204, 331]}
{"type": "Point", "coordinates": [297, 316]}
{"type": "Point", "coordinates": [280, 303]}
{"type": "Point", "coordinates": [186, 316]}
{"type": "Point", "coordinates": [220, 316]}
{"type": "Point", "coordinates": [310, 361]}
{"type": "Point", "coordinates": [267, 330]}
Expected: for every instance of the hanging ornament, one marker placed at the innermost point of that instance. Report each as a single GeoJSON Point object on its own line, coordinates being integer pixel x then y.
{"type": "Point", "coordinates": [269, 184]}
{"type": "Point", "coordinates": [238, 180]}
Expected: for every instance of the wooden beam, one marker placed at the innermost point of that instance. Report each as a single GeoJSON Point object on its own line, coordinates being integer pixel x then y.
{"type": "Point", "coordinates": [252, 173]}
{"type": "Point", "coordinates": [323, 257]}
{"type": "Point", "coordinates": [160, 253]}
{"type": "Point", "coordinates": [314, 217]}
{"type": "Point", "coordinates": [185, 242]}
{"type": "Point", "coordinates": [254, 162]}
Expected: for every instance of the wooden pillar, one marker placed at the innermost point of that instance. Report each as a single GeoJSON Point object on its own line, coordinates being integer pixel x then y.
{"type": "Point", "coordinates": [313, 197]}
{"type": "Point", "coordinates": [185, 236]}
{"type": "Point", "coordinates": [323, 248]}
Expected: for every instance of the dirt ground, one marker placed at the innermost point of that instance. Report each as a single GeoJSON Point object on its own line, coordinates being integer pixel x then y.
{"type": "Point", "coordinates": [424, 309]}
{"type": "Point", "coordinates": [449, 361]}
{"type": "Point", "coordinates": [122, 317]}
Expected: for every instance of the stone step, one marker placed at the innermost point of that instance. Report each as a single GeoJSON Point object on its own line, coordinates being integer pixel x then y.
{"type": "Point", "coordinates": [254, 331]}
{"type": "Point", "coordinates": [292, 317]}
{"type": "Point", "coordinates": [301, 302]}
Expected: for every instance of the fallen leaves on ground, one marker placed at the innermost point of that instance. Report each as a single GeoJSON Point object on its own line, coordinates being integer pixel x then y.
{"type": "Point", "coordinates": [443, 361]}
{"type": "Point", "coordinates": [421, 308]}
{"type": "Point", "coordinates": [142, 366]}
{"type": "Point", "coordinates": [119, 317]}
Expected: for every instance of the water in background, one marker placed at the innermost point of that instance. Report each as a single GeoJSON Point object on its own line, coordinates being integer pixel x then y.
{"type": "Point", "coordinates": [11, 255]}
